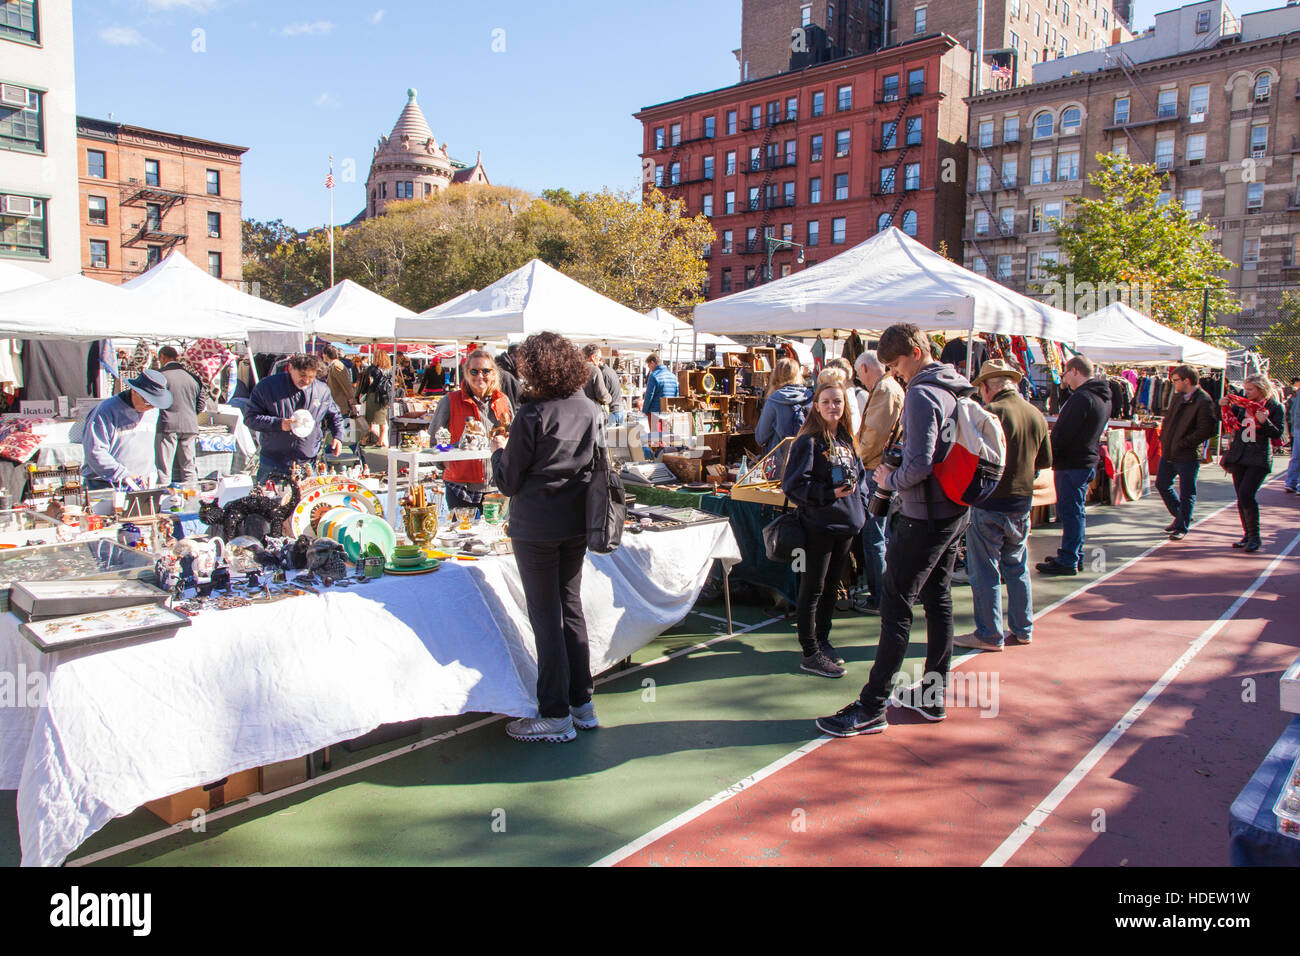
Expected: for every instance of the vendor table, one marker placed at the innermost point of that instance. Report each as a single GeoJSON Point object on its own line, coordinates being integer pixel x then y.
{"type": "Point", "coordinates": [1252, 827]}
{"type": "Point", "coordinates": [241, 688]}
{"type": "Point", "coordinates": [747, 519]}
{"type": "Point", "coordinates": [672, 497]}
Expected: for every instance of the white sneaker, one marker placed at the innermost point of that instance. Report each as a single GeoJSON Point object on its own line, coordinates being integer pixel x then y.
{"type": "Point", "coordinates": [584, 717]}
{"type": "Point", "coordinates": [552, 730]}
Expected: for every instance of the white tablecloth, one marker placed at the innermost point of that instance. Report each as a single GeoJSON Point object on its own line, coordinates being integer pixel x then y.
{"type": "Point", "coordinates": [251, 686]}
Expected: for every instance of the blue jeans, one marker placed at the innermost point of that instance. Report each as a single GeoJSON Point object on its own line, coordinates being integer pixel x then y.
{"type": "Point", "coordinates": [1293, 469]}
{"type": "Point", "coordinates": [997, 552]}
{"type": "Point", "coordinates": [873, 547]}
{"type": "Point", "coordinates": [1071, 494]}
{"type": "Point", "coordinates": [1180, 503]}
{"type": "Point", "coordinates": [617, 418]}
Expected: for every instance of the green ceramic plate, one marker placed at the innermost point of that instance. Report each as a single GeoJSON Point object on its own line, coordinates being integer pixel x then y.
{"type": "Point", "coordinates": [432, 564]}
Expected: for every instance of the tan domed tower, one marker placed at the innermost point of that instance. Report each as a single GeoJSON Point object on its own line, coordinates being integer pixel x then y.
{"type": "Point", "coordinates": [408, 162]}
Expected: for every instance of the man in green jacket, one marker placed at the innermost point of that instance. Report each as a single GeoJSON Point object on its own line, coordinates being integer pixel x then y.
{"type": "Point", "coordinates": [997, 541]}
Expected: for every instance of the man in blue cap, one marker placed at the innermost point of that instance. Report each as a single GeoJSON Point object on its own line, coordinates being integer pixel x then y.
{"type": "Point", "coordinates": [109, 426]}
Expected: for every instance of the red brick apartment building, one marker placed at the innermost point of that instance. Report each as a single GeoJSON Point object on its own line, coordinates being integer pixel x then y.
{"type": "Point", "coordinates": [823, 157]}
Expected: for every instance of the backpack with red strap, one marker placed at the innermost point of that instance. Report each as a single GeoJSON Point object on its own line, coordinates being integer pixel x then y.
{"type": "Point", "coordinates": [977, 454]}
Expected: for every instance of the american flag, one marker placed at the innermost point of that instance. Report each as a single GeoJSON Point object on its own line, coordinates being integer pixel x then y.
{"type": "Point", "coordinates": [1001, 72]}
{"type": "Point", "coordinates": [329, 181]}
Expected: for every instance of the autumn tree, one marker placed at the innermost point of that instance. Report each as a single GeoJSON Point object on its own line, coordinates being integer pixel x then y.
{"type": "Point", "coordinates": [1129, 237]}
{"type": "Point", "coordinates": [1280, 344]}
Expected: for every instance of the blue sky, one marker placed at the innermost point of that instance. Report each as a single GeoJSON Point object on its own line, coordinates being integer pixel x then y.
{"type": "Point", "coordinates": [296, 81]}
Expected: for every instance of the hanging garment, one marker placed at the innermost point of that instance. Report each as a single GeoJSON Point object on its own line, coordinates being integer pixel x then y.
{"type": "Point", "coordinates": [853, 348]}
{"type": "Point", "coordinates": [819, 355]}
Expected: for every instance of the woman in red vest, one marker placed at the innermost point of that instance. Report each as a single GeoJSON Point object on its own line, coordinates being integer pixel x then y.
{"type": "Point", "coordinates": [480, 398]}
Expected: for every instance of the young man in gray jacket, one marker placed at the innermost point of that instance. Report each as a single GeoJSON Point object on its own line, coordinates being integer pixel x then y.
{"type": "Point", "coordinates": [923, 541]}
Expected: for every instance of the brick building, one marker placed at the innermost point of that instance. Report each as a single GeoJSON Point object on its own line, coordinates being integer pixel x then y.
{"type": "Point", "coordinates": [145, 192]}
{"type": "Point", "coordinates": [824, 157]}
{"type": "Point", "coordinates": [829, 29]}
{"type": "Point", "coordinates": [1218, 117]}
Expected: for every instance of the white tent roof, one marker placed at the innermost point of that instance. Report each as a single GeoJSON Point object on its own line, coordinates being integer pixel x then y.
{"type": "Point", "coordinates": [683, 332]}
{"type": "Point", "coordinates": [1118, 333]}
{"type": "Point", "coordinates": [449, 304]}
{"type": "Point", "coordinates": [76, 307]}
{"type": "Point", "coordinates": [889, 278]}
{"type": "Point", "coordinates": [16, 277]}
{"type": "Point", "coordinates": [533, 298]}
{"type": "Point", "coordinates": [351, 311]}
{"type": "Point", "coordinates": [186, 298]}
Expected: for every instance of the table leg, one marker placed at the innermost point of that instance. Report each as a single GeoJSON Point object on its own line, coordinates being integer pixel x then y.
{"type": "Point", "coordinates": [726, 594]}
{"type": "Point", "coordinates": [326, 763]}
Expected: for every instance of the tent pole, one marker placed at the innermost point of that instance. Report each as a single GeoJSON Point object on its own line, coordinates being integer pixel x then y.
{"type": "Point", "coordinates": [970, 343]}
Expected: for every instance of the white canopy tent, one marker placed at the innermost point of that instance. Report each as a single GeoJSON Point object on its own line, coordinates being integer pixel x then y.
{"type": "Point", "coordinates": [16, 277]}
{"type": "Point", "coordinates": [449, 304]}
{"type": "Point", "coordinates": [351, 311]}
{"type": "Point", "coordinates": [76, 307]}
{"type": "Point", "coordinates": [183, 297]}
{"type": "Point", "coordinates": [684, 336]}
{"type": "Point", "coordinates": [1119, 333]}
{"type": "Point", "coordinates": [890, 278]}
{"type": "Point", "coordinates": [533, 298]}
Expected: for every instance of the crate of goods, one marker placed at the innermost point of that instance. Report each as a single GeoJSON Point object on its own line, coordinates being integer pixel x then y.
{"type": "Point", "coordinates": [210, 796]}
{"type": "Point", "coordinates": [1290, 696]}
{"type": "Point", "coordinates": [282, 775]}
{"type": "Point", "coordinates": [1287, 807]}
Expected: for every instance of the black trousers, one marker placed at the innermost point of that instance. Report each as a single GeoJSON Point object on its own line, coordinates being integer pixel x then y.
{"type": "Point", "coordinates": [551, 572]}
{"type": "Point", "coordinates": [826, 556]}
{"type": "Point", "coordinates": [918, 563]}
{"type": "Point", "coordinates": [1246, 481]}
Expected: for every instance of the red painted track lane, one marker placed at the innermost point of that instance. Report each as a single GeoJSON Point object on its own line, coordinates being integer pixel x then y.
{"type": "Point", "coordinates": [949, 794]}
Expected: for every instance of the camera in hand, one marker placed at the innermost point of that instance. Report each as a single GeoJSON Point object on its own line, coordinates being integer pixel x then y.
{"type": "Point", "coordinates": [881, 499]}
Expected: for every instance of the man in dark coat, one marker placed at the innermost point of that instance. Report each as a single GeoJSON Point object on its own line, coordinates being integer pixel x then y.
{"type": "Point", "coordinates": [270, 412]}
{"type": "Point", "coordinates": [178, 425]}
{"type": "Point", "coordinates": [1191, 420]}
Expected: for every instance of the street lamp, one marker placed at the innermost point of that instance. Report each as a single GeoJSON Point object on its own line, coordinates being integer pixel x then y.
{"type": "Point", "coordinates": [774, 244]}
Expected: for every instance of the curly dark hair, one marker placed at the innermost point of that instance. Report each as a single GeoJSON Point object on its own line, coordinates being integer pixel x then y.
{"type": "Point", "coordinates": [552, 366]}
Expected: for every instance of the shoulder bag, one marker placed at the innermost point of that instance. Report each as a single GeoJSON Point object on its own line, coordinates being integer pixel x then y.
{"type": "Point", "coordinates": [606, 502]}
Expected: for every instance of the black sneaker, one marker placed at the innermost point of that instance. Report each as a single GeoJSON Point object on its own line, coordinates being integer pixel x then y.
{"type": "Point", "coordinates": [852, 721]}
{"type": "Point", "coordinates": [1172, 526]}
{"type": "Point", "coordinates": [1177, 535]}
{"type": "Point", "coordinates": [831, 653]}
{"type": "Point", "coordinates": [924, 700]}
{"type": "Point", "coordinates": [821, 665]}
{"type": "Point", "coordinates": [1053, 567]}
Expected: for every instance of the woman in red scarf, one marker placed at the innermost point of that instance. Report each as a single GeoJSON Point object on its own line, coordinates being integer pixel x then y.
{"type": "Point", "coordinates": [1251, 423]}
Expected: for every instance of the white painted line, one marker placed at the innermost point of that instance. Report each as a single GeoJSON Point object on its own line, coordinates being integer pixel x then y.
{"type": "Point", "coordinates": [1039, 816]}
{"type": "Point", "coordinates": [258, 799]}
{"type": "Point", "coordinates": [704, 807]}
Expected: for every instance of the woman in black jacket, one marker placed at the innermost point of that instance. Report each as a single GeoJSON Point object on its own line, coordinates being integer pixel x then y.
{"type": "Point", "coordinates": [545, 468]}
{"type": "Point", "coordinates": [823, 476]}
{"type": "Point", "coordinates": [1249, 458]}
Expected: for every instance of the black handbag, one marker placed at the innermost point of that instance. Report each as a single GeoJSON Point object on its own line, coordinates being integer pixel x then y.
{"type": "Point", "coordinates": [783, 536]}
{"type": "Point", "coordinates": [606, 503]}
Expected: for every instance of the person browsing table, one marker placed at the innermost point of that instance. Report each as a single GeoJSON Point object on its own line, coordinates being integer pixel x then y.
{"type": "Point", "coordinates": [479, 398]}
{"type": "Point", "coordinates": [108, 427]}
{"type": "Point", "coordinates": [270, 412]}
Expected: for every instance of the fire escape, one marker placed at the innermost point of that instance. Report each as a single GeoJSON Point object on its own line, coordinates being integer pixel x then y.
{"type": "Point", "coordinates": [153, 202]}
{"type": "Point", "coordinates": [997, 230]}
{"type": "Point", "coordinates": [897, 141]}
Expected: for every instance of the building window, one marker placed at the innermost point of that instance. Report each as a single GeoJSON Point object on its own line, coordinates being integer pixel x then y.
{"type": "Point", "coordinates": [707, 205]}
{"type": "Point", "coordinates": [755, 117]}
{"type": "Point", "coordinates": [152, 173]}
{"type": "Point", "coordinates": [889, 88]}
{"type": "Point", "coordinates": [792, 109]}
{"type": "Point", "coordinates": [1166, 104]}
{"type": "Point", "coordinates": [674, 174]}
{"type": "Point", "coordinates": [1250, 253]}
{"type": "Point", "coordinates": [819, 103]}
{"type": "Point", "coordinates": [675, 134]}
{"type": "Point", "coordinates": [830, 17]}
{"type": "Point", "coordinates": [750, 281]}
{"type": "Point", "coordinates": [1262, 88]}
{"type": "Point", "coordinates": [99, 253]}
{"type": "Point", "coordinates": [731, 122]}
{"type": "Point", "coordinates": [731, 162]}
{"type": "Point", "coordinates": [727, 239]}
{"type": "Point", "coordinates": [787, 193]}
{"type": "Point", "coordinates": [1198, 102]}
{"type": "Point", "coordinates": [97, 210]}
{"type": "Point", "coordinates": [1121, 110]}
{"type": "Point", "coordinates": [1195, 148]}
{"type": "Point", "coordinates": [844, 98]}
{"type": "Point", "coordinates": [1007, 220]}
{"type": "Point", "coordinates": [1004, 268]}
{"type": "Point", "coordinates": [708, 167]}
{"type": "Point", "coordinates": [21, 127]}
{"type": "Point", "coordinates": [791, 153]}
{"type": "Point", "coordinates": [753, 198]}
{"type": "Point", "coordinates": [1120, 146]}
{"type": "Point", "coordinates": [22, 227]}
{"type": "Point", "coordinates": [214, 264]}
{"type": "Point", "coordinates": [909, 222]}
{"type": "Point", "coordinates": [912, 176]}
{"type": "Point", "coordinates": [659, 137]}
{"type": "Point", "coordinates": [659, 177]}
{"type": "Point", "coordinates": [214, 182]}
{"type": "Point", "coordinates": [96, 164]}
{"type": "Point", "coordinates": [1165, 153]}
{"type": "Point", "coordinates": [428, 190]}
{"type": "Point", "coordinates": [914, 131]}
{"type": "Point", "coordinates": [1259, 140]}
{"type": "Point", "coordinates": [986, 133]}
{"type": "Point", "coordinates": [1011, 129]}
{"type": "Point", "coordinates": [1192, 202]}
{"type": "Point", "coordinates": [838, 231]}
{"type": "Point", "coordinates": [1067, 165]}
{"type": "Point", "coordinates": [755, 158]}
{"type": "Point", "coordinates": [1203, 21]}
{"type": "Point", "coordinates": [916, 82]}
{"type": "Point", "coordinates": [708, 127]}
{"type": "Point", "coordinates": [981, 222]}
{"type": "Point", "coordinates": [979, 267]}
{"type": "Point", "coordinates": [814, 232]}
{"type": "Point", "coordinates": [815, 149]}
{"type": "Point", "coordinates": [883, 221]}
{"type": "Point", "coordinates": [983, 177]}
{"type": "Point", "coordinates": [731, 201]}
{"type": "Point", "coordinates": [1071, 120]}
{"type": "Point", "coordinates": [918, 22]}
{"type": "Point", "coordinates": [152, 256]}
{"type": "Point", "coordinates": [1009, 171]}
{"type": "Point", "coordinates": [153, 216]}
{"type": "Point", "coordinates": [1043, 125]}
{"type": "Point", "coordinates": [886, 180]}
{"type": "Point", "coordinates": [841, 143]}
{"type": "Point", "coordinates": [841, 185]}
{"type": "Point", "coordinates": [1040, 170]}
{"type": "Point", "coordinates": [1254, 197]}
{"type": "Point", "coordinates": [18, 20]}
{"type": "Point", "coordinates": [726, 280]}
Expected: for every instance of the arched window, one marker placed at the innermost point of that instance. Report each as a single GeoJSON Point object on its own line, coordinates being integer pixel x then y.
{"type": "Point", "coordinates": [1042, 125]}
{"type": "Point", "coordinates": [883, 222]}
{"type": "Point", "coordinates": [909, 222]}
{"type": "Point", "coordinates": [1071, 120]}
{"type": "Point", "coordinates": [1262, 88]}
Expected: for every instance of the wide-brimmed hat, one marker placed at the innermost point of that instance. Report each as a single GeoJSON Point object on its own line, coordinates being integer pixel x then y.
{"type": "Point", "coordinates": [997, 368]}
{"type": "Point", "coordinates": [152, 387]}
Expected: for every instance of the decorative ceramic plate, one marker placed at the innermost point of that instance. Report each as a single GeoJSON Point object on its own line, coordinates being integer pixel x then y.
{"type": "Point", "coordinates": [337, 493]}
{"type": "Point", "coordinates": [358, 534]}
{"type": "Point", "coordinates": [430, 565]}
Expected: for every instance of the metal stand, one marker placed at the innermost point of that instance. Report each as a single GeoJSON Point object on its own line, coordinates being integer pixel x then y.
{"type": "Point", "coordinates": [726, 594]}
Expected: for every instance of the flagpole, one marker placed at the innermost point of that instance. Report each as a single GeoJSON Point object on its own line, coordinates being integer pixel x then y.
{"type": "Point", "coordinates": [331, 222]}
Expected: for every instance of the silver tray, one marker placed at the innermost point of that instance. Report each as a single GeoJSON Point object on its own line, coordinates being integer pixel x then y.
{"type": "Point", "coordinates": [119, 624]}
{"type": "Point", "coordinates": [38, 600]}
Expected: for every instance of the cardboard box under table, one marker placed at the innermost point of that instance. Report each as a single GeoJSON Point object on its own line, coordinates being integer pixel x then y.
{"type": "Point", "coordinates": [212, 796]}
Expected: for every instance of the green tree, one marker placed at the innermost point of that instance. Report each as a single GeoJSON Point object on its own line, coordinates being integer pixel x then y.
{"type": "Point", "coordinates": [1127, 237]}
{"type": "Point", "coordinates": [283, 266]}
{"type": "Point", "coordinates": [1280, 344]}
